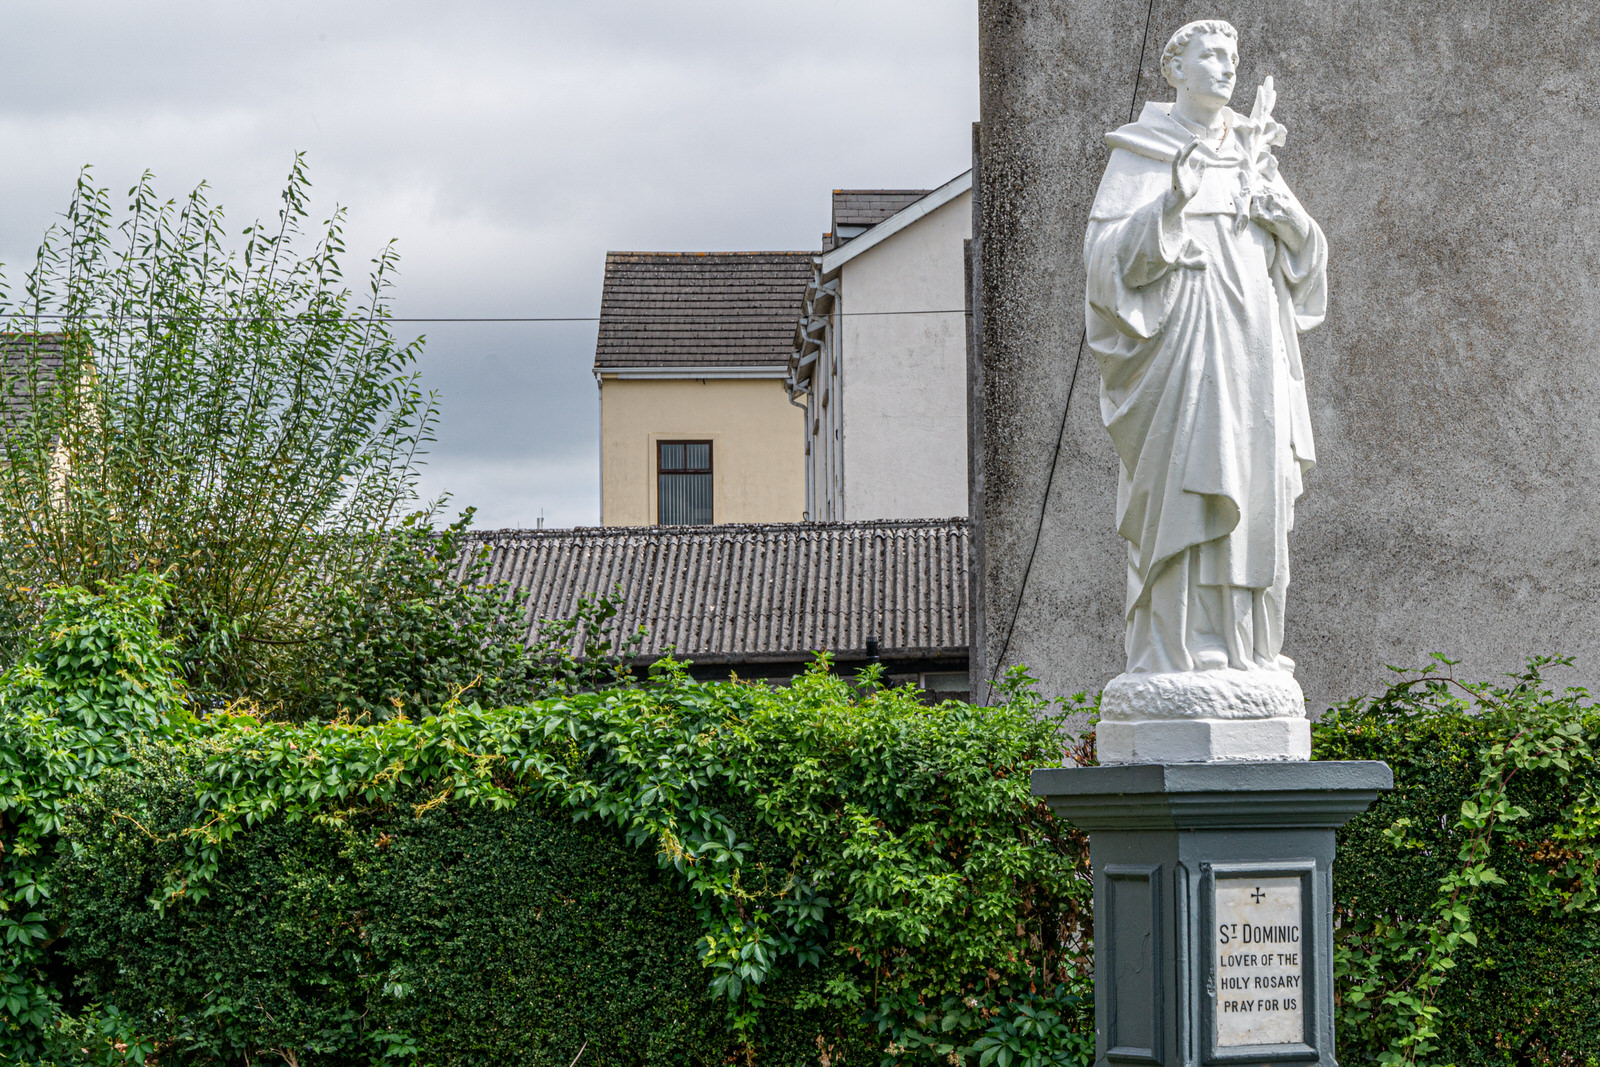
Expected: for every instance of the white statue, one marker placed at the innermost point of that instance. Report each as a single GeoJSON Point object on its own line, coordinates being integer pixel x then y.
{"type": "Point", "coordinates": [1202, 269]}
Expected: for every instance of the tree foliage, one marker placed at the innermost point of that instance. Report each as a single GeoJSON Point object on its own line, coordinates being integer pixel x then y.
{"type": "Point", "coordinates": [226, 413]}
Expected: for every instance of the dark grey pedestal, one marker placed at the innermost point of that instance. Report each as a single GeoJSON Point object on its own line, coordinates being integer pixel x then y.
{"type": "Point", "coordinates": [1213, 905]}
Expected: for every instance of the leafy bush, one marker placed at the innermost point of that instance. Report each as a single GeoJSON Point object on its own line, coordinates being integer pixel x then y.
{"type": "Point", "coordinates": [68, 711]}
{"type": "Point", "coordinates": [1467, 907]}
{"type": "Point", "coordinates": [678, 873]}
{"type": "Point", "coordinates": [422, 628]}
{"type": "Point", "coordinates": [830, 873]}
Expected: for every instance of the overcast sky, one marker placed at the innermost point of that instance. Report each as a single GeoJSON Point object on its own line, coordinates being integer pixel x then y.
{"type": "Point", "coordinates": [507, 144]}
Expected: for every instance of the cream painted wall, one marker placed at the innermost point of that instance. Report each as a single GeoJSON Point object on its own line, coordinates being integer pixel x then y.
{"type": "Point", "coordinates": [904, 377]}
{"type": "Point", "coordinates": [757, 452]}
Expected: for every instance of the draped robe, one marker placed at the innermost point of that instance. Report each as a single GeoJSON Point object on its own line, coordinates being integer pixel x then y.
{"type": "Point", "coordinates": [1202, 391]}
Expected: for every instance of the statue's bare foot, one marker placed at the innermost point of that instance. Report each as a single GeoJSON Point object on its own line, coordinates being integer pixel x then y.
{"type": "Point", "coordinates": [1210, 659]}
{"type": "Point", "coordinates": [1284, 663]}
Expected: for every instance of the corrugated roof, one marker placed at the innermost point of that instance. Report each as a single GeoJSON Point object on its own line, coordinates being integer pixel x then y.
{"type": "Point", "coordinates": [868, 207]}
{"type": "Point", "coordinates": [700, 309]}
{"type": "Point", "coordinates": [29, 364]}
{"type": "Point", "coordinates": [740, 593]}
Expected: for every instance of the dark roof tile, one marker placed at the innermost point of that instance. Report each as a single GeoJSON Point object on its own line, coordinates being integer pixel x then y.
{"type": "Point", "coordinates": [699, 309]}
{"type": "Point", "coordinates": [29, 364]}
{"type": "Point", "coordinates": [868, 207]}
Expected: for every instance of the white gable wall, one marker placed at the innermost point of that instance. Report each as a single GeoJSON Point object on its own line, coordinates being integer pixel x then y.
{"type": "Point", "coordinates": [902, 377]}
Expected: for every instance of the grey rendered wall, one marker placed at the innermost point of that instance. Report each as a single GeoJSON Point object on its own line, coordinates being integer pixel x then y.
{"type": "Point", "coordinates": [1451, 152]}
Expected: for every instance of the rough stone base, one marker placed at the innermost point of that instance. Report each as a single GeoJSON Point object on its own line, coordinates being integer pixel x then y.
{"type": "Point", "coordinates": [1203, 717]}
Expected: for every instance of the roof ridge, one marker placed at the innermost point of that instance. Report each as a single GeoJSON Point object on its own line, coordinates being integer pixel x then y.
{"type": "Point", "coordinates": [727, 528]}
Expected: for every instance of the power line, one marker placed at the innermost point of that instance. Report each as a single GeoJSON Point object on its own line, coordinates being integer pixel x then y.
{"type": "Point", "coordinates": [609, 319]}
{"type": "Point", "coordinates": [652, 321]}
{"type": "Point", "coordinates": [1066, 407]}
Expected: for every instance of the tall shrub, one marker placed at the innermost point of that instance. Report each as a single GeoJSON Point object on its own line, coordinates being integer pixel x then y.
{"type": "Point", "coordinates": [227, 412]}
{"type": "Point", "coordinates": [422, 628]}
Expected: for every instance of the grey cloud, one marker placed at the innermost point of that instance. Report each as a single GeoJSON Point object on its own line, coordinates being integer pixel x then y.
{"type": "Point", "coordinates": [507, 145]}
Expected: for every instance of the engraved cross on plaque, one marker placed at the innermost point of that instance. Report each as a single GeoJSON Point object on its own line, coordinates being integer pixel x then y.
{"type": "Point", "coordinates": [1258, 895]}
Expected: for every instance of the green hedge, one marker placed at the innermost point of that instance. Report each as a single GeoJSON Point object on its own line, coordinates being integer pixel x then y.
{"type": "Point", "coordinates": [671, 873]}
{"type": "Point", "coordinates": [679, 873]}
{"type": "Point", "coordinates": [479, 936]}
{"type": "Point", "coordinates": [1467, 910]}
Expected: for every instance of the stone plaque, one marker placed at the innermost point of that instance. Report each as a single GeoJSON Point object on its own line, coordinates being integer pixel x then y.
{"type": "Point", "coordinates": [1259, 961]}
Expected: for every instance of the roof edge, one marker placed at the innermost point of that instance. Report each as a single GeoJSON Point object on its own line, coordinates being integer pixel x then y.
{"type": "Point", "coordinates": [911, 213]}
{"type": "Point", "coordinates": [740, 372]}
{"type": "Point", "coordinates": [707, 255]}
{"type": "Point", "coordinates": [954, 524]}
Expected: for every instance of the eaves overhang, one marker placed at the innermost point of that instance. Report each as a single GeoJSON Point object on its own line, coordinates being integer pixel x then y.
{"type": "Point", "coordinates": [719, 371]}
{"type": "Point", "coordinates": [810, 331]}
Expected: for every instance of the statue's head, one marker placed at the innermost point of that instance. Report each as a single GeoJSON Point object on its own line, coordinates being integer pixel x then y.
{"type": "Point", "coordinates": [1202, 60]}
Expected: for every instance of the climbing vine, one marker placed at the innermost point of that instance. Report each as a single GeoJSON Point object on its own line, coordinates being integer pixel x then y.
{"type": "Point", "coordinates": [849, 853]}
{"type": "Point", "coordinates": [100, 683]}
{"type": "Point", "coordinates": [1502, 816]}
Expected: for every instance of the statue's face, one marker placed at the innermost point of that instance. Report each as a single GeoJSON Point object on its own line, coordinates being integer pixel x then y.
{"type": "Point", "coordinates": [1207, 67]}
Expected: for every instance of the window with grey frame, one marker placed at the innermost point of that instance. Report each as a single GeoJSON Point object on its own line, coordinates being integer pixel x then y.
{"type": "Point", "coordinates": [683, 483]}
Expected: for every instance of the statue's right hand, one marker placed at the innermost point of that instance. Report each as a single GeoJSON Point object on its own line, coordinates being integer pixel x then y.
{"type": "Point", "coordinates": [1186, 174]}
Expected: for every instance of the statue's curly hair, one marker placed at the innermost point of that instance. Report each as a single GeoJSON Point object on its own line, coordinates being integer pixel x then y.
{"type": "Point", "coordinates": [1180, 40]}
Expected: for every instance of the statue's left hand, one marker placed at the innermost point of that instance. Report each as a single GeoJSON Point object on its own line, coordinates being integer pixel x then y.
{"type": "Point", "coordinates": [1284, 218]}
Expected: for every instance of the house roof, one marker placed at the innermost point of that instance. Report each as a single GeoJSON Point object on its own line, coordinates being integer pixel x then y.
{"type": "Point", "coordinates": [923, 205]}
{"type": "Point", "coordinates": [29, 364]}
{"type": "Point", "coordinates": [868, 207]}
{"type": "Point", "coordinates": [700, 309]}
{"type": "Point", "coordinates": [753, 593]}
{"type": "Point", "coordinates": [821, 292]}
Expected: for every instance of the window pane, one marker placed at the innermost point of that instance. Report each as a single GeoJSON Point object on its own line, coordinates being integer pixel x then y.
{"type": "Point", "coordinates": [685, 499]}
{"type": "Point", "coordinates": [698, 456]}
{"type": "Point", "coordinates": [671, 457]}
